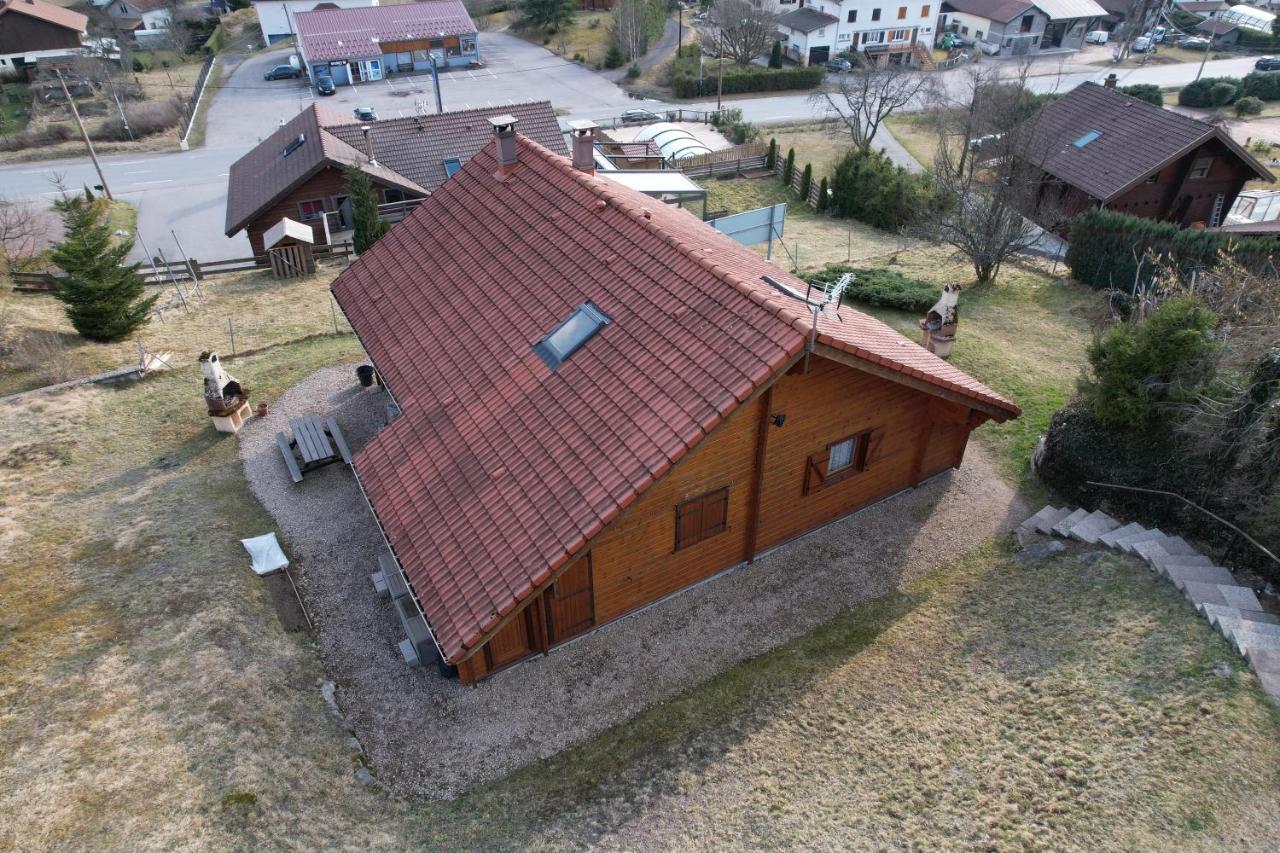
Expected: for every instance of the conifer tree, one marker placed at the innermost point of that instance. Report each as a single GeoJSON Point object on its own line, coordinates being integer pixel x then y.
{"type": "Point", "coordinates": [775, 56]}
{"type": "Point", "coordinates": [368, 225]}
{"type": "Point", "coordinates": [104, 296]}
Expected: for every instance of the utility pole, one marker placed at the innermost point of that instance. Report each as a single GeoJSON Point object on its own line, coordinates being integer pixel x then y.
{"type": "Point", "coordinates": [1208, 43]}
{"type": "Point", "coordinates": [123, 118]}
{"type": "Point", "coordinates": [435, 81]}
{"type": "Point", "coordinates": [679, 31]}
{"type": "Point", "coordinates": [84, 134]}
{"type": "Point", "coordinates": [719, 81]}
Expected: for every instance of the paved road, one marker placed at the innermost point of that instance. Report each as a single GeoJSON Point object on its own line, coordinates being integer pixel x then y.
{"type": "Point", "coordinates": [187, 191]}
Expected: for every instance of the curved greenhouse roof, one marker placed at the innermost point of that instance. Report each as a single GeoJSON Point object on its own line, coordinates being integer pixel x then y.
{"type": "Point", "coordinates": [672, 140]}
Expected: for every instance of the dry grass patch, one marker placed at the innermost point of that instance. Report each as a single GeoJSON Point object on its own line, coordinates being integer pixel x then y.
{"type": "Point", "coordinates": [262, 312]}
{"type": "Point", "coordinates": [823, 145]}
{"type": "Point", "coordinates": [917, 134]}
{"type": "Point", "coordinates": [588, 36]}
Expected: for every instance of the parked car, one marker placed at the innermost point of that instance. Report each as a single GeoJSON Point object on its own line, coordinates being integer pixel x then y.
{"type": "Point", "coordinates": [324, 86]}
{"type": "Point", "coordinates": [1157, 34]}
{"type": "Point", "coordinates": [365, 113]}
{"type": "Point", "coordinates": [638, 116]}
{"type": "Point", "coordinates": [1097, 37]}
{"type": "Point", "coordinates": [839, 66]}
{"type": "Point", "coordinates": [1193, 43]}
{"type": "Point", "coordinates": [1268, 63]}
{"type": "Point", "coordinates": [282, 72]}
{"type": "Point", "coordinates": [1142, 44]}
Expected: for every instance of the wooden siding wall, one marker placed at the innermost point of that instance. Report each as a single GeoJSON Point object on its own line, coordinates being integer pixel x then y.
{"type": "Point", "coordinates": [634, 563]}
{"type": "Point", "coordinates": [828, 403]}
{"type": "Point", "coordinates": [21, 33]}
{"type": "Point", "coordinates": [325, 184]}
{"type": "Point", "coordinates": [1160, 200]}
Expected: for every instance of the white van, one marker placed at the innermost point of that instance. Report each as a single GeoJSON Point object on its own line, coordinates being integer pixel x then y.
{"type": "Point", "coordinates": [1141, 44]}
{"type": "Point", "coordinates": [1097, 37]}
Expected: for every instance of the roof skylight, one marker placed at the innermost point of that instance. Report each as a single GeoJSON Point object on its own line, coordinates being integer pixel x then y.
{"type": "Point", "coordinates": [574, 331]}
{"type": "Point", "coordinates": [294, 145]}
{"type": "Point", "coordinates": [1086, 139]}
{"type": "Point", "coordinates": [451, 165]}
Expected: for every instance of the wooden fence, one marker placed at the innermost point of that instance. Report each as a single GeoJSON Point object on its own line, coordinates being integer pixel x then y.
{"type": "Point", "coordinates": [797, 176]}
{"type": "Point", "coordinates": [183, 271]}
{"type": "Point", "coordinates": [730, 161]}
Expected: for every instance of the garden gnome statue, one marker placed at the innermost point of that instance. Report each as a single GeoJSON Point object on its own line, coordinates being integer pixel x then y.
{"type": "Point", "coordinates": [939, 325]}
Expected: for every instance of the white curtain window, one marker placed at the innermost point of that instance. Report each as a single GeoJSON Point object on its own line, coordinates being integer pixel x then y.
{"type": "Point", "coordinates": [841, 455]}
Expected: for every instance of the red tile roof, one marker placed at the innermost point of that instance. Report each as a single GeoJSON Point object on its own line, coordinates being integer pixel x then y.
{"type": "Point", "coordinates": [499, 470]}
{"type": "Point", "coordinates": [331, 34]}
{"type": "Point", "coordinates": [46, 12]}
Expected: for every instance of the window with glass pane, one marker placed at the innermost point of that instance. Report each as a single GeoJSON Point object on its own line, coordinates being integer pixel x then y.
{"type": "Point", "coordinates": [840, 456]}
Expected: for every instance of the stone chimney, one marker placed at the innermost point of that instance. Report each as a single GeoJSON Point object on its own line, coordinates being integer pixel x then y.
{"type": "Point", "coordinates": [583, 132]}
{"type": "Point", "coordinates": [368, 143]}
{"type": "Point", "coordinates": [504, 134]}
{"type": "Point", "coordinates": [1110, 82]}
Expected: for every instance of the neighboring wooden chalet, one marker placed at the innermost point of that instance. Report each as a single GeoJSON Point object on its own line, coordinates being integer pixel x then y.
{"type": "Point", "coordinates": [365, 44]}
{"type": "Point", "coordinates": [1018, 28]}
{"type": "Point", "coordinates": [604, 401]}
{"type": "Point", "coordinates": [33, 29]}
{"type": "Point", "coordinates": [297, 172]}
{"type": "Point", "coordinates": [1100, 148]}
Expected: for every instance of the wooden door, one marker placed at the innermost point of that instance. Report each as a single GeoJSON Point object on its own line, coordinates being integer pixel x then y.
{"type": "Point", "coordinates": [570, 603]}
{"type": "Point", "coordinates": [514, 642]}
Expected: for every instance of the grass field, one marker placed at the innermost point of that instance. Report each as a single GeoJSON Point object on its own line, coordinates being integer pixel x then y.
{"type": "Point", "coordinates": [262, 312]}
{"type": "Point", "coordinates": [589, 36]}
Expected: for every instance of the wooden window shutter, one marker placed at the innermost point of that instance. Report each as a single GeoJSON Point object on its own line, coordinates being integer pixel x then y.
{"type": "Point", "coordinates": [815, 471]}
{"type": "Point", "coordinates": [702, 517]}
{"type": "Point", "coordinates": [688, 523]}
{"type": "Point", "coordinates": [868, 448]}
{"type": "Point", "coordinates": [715, 512]}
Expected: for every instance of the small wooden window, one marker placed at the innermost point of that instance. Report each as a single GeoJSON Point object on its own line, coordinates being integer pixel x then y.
{"type": "Point", "coordinates": [853, 16]}
{"type": "Point", "coordinates": [1200, 167]}
{"type": "Point", "coordinates": [924, 11]}
{"type": "Point", "coordinates": [311, 210]}
{"type": "Point", "coordinates": [902, 13]}
{"type": "Point", "coordinates": [841, 459]}
{"type": "Point", "coordinates": [702, 517]}
{"type": "Point", "coordinates": [875, 14]}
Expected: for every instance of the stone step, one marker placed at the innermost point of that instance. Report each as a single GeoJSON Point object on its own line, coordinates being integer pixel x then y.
{"type": "Point", "coordinates": [1223, 618]}
{"type": "Point", "coordinates": [1109, 539]}
{"type": "Point", "coordinates": [1163, 564]}
{"type": "Point", "coordinates": [1265, 660]}
{"type": "Point", "coordinates": [1150, 550]}
{"type": "Point", "coordinates": [1247, 641]}
{"type": "Point", "coordinates": [1126, 544]}
{"type": "Point", "coordinates": [1270, 681]}
{"type": "Point", "coordinates": [1070, 521]}
{"type": "Point", "coordinates": [1176, 546]}
{"type": "Point", "coordinates": [1046, 513]}
{"type": "Point", "coordinates": [1200, 574]}
{"type": "Point", "coordinates": [1239, 597]}
{"type": "Point", "coordinates": [1093, 526]}
{"type": "Point", "coordinates": [1229, 626]}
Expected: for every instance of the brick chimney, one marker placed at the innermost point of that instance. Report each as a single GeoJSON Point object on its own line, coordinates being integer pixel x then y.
{"type": "Point", "coordinates": [1110, 82]}
{"type": "Point", "coordinates": [368, 143]}
{"type": "Point", "coordinates": [584, 145]}
{"type": "Point", "coordinates": [504, 134]}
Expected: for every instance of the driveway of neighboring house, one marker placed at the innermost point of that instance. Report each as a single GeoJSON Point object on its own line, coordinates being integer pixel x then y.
{"type": "Point", "coordinates": [429, 736]}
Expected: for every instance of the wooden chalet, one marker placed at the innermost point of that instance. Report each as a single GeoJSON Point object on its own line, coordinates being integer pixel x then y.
{"type": "Point", "coordinates": [31, 30]}
{"type": "Point", "coordinates": [1101, 148]}
{"type": "Point", "coordinates": [605, 401]}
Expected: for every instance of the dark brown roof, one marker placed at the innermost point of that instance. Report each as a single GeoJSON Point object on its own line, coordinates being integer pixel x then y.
{"type": "Point", "coordinates": [1214, 26]}
{"type": "Point", "coordinates": [410, 152]}
{"type": "Point", "coordinates": [499, 470]}
{"type": "Point", "coordinates": [1203, 5]}
{"type": "Point", "coordinates": [46, 12]}
{"type": "Point", "coordinates": [417, 147]}
{"type": "Point", "coordinates": [992, 10]}
{"type": "Point", "coordinates": [807, 20]}
{"type": "Point", "coordinates": [1134, 139]}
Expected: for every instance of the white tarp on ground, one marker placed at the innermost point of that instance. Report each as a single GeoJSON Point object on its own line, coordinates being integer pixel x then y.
{"type": "Point", "coordinates": [266, 554]}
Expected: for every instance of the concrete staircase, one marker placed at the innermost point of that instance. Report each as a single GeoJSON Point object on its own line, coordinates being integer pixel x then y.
{"type": "Point", "coordinates": [1232, 609]}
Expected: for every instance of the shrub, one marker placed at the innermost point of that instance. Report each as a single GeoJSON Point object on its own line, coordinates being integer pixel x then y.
{"type": "Point", "coordinates": [789, 166]}
{"type": "Point", "coordinates": [806, 182]}
{"type": "Point", "coordinates": [633, 71]}
{"type": "Point", "coordinates": [771, 159]}
{"type": "Point", "coordinates": [743, 132]}
{"type": "Point", "coordinates": [737, 80]}
{"type": "Point", "coordinates": [613, 58]}
{"type": "Point", "coordinates": [775, 55]}
{"type": "Point", "coordinates": [824, 195]}
{"type": "Point", "coordinates": [1137, 368]}
{"type": "Point", "coordinates": [1148, 92]}
{"type": "Point", "coordinates": [140, 64]}
{"type": "Point", "coordinates": [1264, 85]}
{"type": "Point", "coordinates": [1207, 92]}
{"type": "Point", "coordinates": [145, 118]}
{"type": "Point", "coordinates": [883, 288]}
{"type": "Point", "coordinates": [869, 187]}
{"type": "Point", "coordinates": [1248, 106]}
{"type": "Point", "coordinates": [35, 137]}
{"type": "Point", "coordinates": [1107, 249]}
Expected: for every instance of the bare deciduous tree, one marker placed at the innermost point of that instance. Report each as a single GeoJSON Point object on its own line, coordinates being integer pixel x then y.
{"type": "Point", "coordinates": [988, 171]}
{"type": "Point", "coordinates": [21, 227]}
{"type": "Point", "coordinates": [629, 28]}
{"type": "Point", "coordinates": [864, 97]}
{"type": "Point", "coordinates": [742, 31]}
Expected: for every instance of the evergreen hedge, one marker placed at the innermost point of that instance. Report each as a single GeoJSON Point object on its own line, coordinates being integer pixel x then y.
{"type": "Point", "coordinates": [737, 79]}
{"type": "Point", "coordinates": [1105, 248]}
{"type": "Point", "coordinates": [871, 188]}
{"type": "Point", "coordinates": [883, 288]}
{"type": "Point", "coordinates": [1149, 92]}
{"type": "Point", "coordinates": [1263, 85]}
{"type": "Point", "coordinates": [1201, 92]}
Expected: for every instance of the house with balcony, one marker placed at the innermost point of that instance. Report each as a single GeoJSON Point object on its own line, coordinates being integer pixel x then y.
{"type": "Point", "coordinates": [1021, 28]}
{"type": "Point", "coordinates": [370, 43]}
{"type": "Point", "coordinates": [817, 30]}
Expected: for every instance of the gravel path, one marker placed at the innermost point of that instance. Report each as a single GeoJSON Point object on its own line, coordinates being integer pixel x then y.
{"type": "Point", "coordinates": [428, 736]}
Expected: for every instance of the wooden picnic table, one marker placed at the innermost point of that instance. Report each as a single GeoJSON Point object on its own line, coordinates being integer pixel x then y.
{"type": "Point", "coordinates": [311, 441]}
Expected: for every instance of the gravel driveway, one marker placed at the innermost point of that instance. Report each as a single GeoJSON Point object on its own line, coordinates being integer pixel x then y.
{"type": "Point", "coordinates": [428, 736]}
